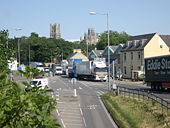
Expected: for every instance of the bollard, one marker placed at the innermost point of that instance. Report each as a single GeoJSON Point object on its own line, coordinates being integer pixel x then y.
{"type": "Point", "coordinates": [75, 92]}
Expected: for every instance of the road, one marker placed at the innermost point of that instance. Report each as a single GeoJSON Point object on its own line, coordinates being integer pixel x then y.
{"type": "Point", "coordinates": [86, 110]}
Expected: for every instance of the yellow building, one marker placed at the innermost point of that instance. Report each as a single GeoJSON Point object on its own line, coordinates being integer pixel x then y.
{"type": "Point", "coordinates": [142, 46]}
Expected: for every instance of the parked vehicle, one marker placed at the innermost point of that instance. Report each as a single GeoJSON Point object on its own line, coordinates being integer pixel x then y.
{"type": "Point", "coordinates": [40, 82]}
{"type": "Point", "coordinates": [91, 70]}
{"type": "Point", "coordinates": [157, 72]}
{"type": "Point", "coordinates": [137, 75]}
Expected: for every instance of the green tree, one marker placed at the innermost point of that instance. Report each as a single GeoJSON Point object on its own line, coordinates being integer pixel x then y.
{"type": "Point", "coordinates": [6, 51]}
{"type": "Point", "coordinates": [115, 38]}
{"type": "Point", "coordinates": [20, 109]}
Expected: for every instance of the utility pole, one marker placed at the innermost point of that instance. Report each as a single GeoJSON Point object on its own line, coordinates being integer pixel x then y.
{"type": "Point", "coordinates": [19, 53]}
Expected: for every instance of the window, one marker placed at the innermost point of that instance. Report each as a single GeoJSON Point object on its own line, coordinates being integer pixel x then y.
{"type": "Point", "coordinates": [131, 67]}
{"type": "Point", "coordinates": [139, 55]}
{"type": "Point", "coordinates": [131, 55]}
{"type": "Point", "coordinates": [161, 46]}
{"type": "Point", "coordinates": [124, 69]}
{"type": "Point", "coordinates": [124, 56]}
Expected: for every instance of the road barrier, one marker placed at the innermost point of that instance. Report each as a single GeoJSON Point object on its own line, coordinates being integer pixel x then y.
{"type": "Point", "coordinates": [137, 93]}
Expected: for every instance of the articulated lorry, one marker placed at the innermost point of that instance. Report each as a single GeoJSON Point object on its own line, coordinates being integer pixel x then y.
{"type": "Point", "coordinates": [91, 70]}
{"type": "Point", "coordinates": [157, 72]}
{"type": "Point", "coordinates": [72, 67]}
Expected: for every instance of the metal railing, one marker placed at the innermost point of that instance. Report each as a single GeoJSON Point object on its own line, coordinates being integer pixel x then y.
{"type": "Point", "coordinates": [137, 93]}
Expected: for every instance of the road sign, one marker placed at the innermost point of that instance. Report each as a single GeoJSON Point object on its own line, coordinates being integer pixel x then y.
{"type": "Point", "coordinates": [73, 81]}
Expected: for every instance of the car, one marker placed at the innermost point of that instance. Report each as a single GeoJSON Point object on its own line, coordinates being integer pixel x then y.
{"type": "Point", "coordinates": [46, 69]}
{"type": "Point", "coordinates": [40, 82]}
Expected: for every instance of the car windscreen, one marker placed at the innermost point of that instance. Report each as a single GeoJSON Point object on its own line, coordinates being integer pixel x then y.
{"type": "Point", "coordinates": [34, 82]}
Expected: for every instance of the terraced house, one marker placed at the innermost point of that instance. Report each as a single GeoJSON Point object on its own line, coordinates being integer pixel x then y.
{"type": "Point", "coordinates": [137, 48]}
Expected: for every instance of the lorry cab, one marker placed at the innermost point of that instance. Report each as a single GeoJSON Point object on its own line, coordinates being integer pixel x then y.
{"type": "Point", "coordinates": [40, 82]}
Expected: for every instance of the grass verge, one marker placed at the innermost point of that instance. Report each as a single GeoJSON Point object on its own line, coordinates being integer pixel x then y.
{"type": "Point", "coordinates": [136, 113]}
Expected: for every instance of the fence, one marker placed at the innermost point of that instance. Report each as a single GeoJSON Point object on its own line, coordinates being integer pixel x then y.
{"type": "Point", "coordinates": [145, 95]}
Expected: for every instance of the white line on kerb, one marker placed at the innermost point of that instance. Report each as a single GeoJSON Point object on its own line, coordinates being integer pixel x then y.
{"type": "Point", "coordinates": [111, 120]}
{"type": "Point", "coordinates": [63, 123]}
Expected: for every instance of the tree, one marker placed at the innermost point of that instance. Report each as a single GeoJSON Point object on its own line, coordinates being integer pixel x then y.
{"type": "Point", "coordinates": [20, 109]}
{"type": "Point", "coordinates": [115, 38]}
{"type": "Point", "coordinates": [6, 51]}
{"type": "Point", "coordinates": [30, 109]}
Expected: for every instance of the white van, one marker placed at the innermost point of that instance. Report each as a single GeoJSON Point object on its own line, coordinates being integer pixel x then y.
{"type": "Point", "coordinates": [41, 82]}
{"type": "Point", "coordinates": [58, 70]}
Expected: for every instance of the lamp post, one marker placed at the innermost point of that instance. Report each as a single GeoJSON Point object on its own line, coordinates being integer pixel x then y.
{"type": "Point", "coordinates": [108, 42]}
{"type": "Point", "coordinates": [16, 29]}
{"type": "Point", "coordinates": [87, 49]}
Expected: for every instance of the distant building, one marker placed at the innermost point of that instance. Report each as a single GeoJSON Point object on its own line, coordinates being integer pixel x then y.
{"type": "Point", "coordinates": [12, 64]}
{"type": "Point", "coordinates": [91, 37]}
{"type": "Point", "coordinates": [55, 31]}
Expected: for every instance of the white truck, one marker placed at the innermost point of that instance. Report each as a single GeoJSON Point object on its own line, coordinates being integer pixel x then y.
{"type": "Point", "coordinates": [91, 70]}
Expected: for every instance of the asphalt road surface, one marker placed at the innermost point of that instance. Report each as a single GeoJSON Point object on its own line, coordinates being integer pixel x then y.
{"type": "Point", "coordinates": [84, 110]}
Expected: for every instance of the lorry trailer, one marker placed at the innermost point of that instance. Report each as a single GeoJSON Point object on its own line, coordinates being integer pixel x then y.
{"type": "Point", "coordinates": [157, 72]}
{"type": "Point", "coordinates": [91, 70]}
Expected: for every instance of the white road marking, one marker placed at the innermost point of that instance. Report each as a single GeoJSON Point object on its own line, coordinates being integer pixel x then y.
{"type": "Point", "coordinates": [81, 111]}
{"type": "Point", "coordinates": [80, 88]}
{"type": "Point", "coordinates": [57, 112]}
{"type": "Point", "coordinates": [63, 82]}
{"type": "Point", "coordinates": [113, 123]}
{"type": "Point", "coordinates": [84, 122]}
{"type": "Point", "coordinates": [85, 85]}
{"type": "Point", "coordinates": [63, 123]}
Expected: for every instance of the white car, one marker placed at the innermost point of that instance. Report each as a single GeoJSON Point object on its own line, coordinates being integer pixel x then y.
{"type": "Point", "coordinates": [40, 82]}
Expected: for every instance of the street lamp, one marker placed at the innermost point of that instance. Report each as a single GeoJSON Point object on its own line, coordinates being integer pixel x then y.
{"type": "Point", "coordinates": [107, 16]}
{"type": "Point", "coordinates": [16, 29]}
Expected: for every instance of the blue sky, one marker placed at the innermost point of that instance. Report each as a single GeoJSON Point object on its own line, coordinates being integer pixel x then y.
{"type": "Point", "coordinates": [132, 16]}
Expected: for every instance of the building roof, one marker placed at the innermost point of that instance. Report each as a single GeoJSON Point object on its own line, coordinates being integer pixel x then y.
{"type": "Point", "coordinates": [98, 53]}
{"type": "Point", "coordinates": [166, 39]}
{"type": "Point", "coordinates": [113, 48]}
{"type": "Point", "coordinates": [77, 55]}
{"type": "Point", "coordinates": [137, 42]}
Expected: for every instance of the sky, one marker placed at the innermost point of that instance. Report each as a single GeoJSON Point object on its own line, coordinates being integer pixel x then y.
{"type": "Point", "coordinates": [134, 17]}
